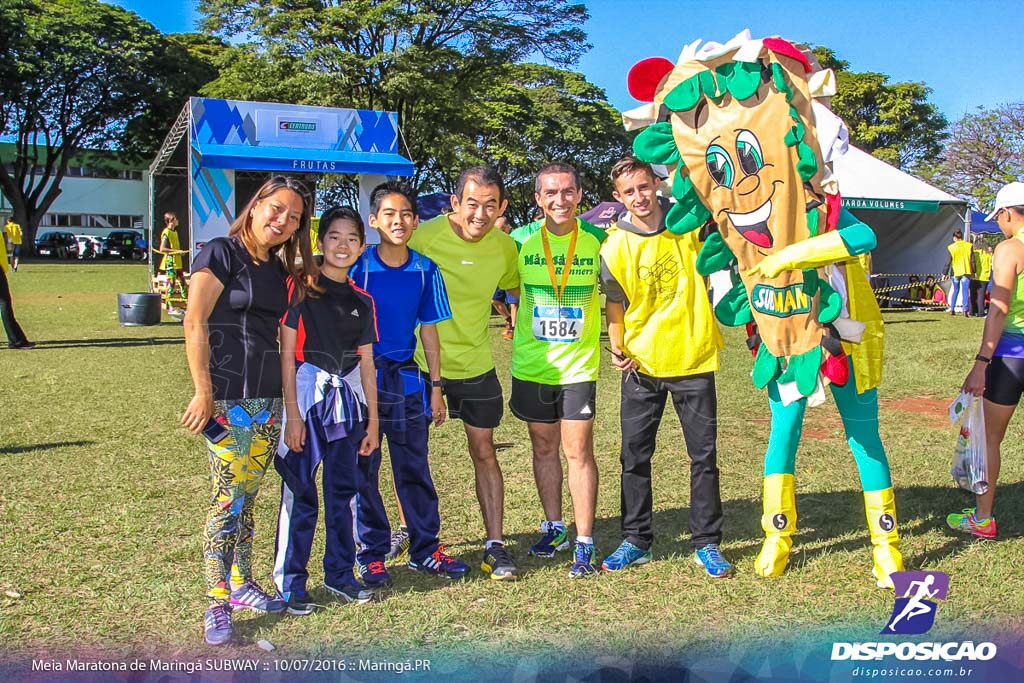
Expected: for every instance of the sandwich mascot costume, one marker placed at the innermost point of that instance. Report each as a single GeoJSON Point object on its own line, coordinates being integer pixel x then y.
{"type": "Point", "coordinates": [747, 148]}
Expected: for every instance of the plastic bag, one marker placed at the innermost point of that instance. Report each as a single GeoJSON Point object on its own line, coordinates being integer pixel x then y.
{"type": "Point", "coordinates": [970, 461]}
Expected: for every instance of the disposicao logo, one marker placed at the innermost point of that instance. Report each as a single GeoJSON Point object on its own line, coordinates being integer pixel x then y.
{"type": "Point", "coordinates": [917, 598]}
{"type": "Point", "coordinates": [914, 612]}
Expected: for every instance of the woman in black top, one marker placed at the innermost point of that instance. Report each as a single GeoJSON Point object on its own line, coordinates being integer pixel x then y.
{"type": "Point", "coordinates": [238, 293]}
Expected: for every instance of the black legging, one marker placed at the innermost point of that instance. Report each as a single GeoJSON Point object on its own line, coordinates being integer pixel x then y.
{"type": "Point", "coordinates": [15, 335]}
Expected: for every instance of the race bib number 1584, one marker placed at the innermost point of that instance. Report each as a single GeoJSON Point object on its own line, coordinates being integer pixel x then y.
{"type": "Point", "coordinates": [557, 324]}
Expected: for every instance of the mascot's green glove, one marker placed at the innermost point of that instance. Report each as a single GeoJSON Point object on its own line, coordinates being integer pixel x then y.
{"type": "Point", "coordinates": [814, 252]}
{"type": "Point", "coordinates": [714, 255]}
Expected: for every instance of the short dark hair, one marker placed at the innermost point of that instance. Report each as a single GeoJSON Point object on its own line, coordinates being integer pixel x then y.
{"type": "Point", "coordinates": [393, 187]}
{"type": "Point", "coordinates": [630, 164]}
{"type": "Point", "coordinates": [170, 216]}
{"type": "Point", "coordinates": [481, 175]}
{"type": "Point", "coordinates": [556, 167]}
{"type": "Point", "coordinates": [958, 234]}
{"type": "Point", "coordinates": [345, 213]}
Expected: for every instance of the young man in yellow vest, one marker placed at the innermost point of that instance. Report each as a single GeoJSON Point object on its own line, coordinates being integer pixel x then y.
{"type": "Point", "coordinates": [13, 231]}
{"type": "Point", "coordinates": [171, 262]}
{"type": "Point", "coordinates": [960, 269]}
{"type": "Point", "coordinates": [665, 341]}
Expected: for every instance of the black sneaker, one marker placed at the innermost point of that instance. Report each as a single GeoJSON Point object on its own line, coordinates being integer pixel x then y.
{"type": "Point", "coordinates": [350, 592]}
{"type": "Point", "coordinates": [498, 563]}
{"type": "Point", "coordinates": [297, 603]}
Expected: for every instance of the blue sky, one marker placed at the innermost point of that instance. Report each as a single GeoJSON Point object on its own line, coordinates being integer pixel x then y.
{"type": "Point", "coordinates": [967, 51]}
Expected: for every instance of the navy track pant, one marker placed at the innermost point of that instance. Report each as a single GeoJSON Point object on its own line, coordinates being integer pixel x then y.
{"type": "Point", "coordinates": [296, 520]}
{"type": "Point", "coordinates": [413, 482]}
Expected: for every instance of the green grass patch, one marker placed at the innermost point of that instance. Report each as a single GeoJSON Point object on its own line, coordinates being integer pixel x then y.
{"type": "Point", "coordinates": [102, 498]}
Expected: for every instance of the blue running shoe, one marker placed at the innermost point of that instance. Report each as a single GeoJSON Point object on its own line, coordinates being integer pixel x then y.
{"type": "Point", "coordinates": [710, 557]}
{"type": "Point", "coordinates": [625, 555]}
{"type": "Point", "coordinates": [553, 538]}
{"type": "Point", "coordinates": [582, 561]}
{"type": "Point", "coordinates": [374, 575]}
{"type": "Point", "coordinates": [439, 563]}
{"type": "Point", "coordinates": [217, 624]}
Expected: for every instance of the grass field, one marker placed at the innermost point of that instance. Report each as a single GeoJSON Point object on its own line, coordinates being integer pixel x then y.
{"type": "Point", "coordinates": [102, 498]}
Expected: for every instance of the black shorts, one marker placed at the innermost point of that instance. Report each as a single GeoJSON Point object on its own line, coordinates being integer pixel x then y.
{"type": "Point", "coordinates": [1004, 380]}
{"type": "Point", "coordinates": [549, 403]}
{"type": "Point", "coordinates": [476, 401]}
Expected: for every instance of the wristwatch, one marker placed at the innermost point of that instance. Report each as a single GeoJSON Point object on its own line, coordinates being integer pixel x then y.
{"type": "Point", "coordinates": [983, 359]}
{"type": "Point", "coordinates": [436, 383]}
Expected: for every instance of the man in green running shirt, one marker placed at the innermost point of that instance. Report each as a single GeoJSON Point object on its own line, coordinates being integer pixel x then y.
{"type": "Point", "coordinates": [555, 354]}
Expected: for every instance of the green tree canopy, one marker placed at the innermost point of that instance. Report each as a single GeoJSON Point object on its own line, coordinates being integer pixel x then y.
{"type": "Point", "coordinates": [452, 69]}
{"type": "Point", "coordinates": [83, 75]}
{"type": "Point", "coordinates": [893, 121]}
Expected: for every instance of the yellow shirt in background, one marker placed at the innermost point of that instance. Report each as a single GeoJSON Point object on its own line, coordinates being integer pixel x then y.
{"type": "Point", "coordinates": [13, 232]}
{"type": "Point", "coordinates": [960, 255]}
{"type": "Point", "coordinates": [982, 265]}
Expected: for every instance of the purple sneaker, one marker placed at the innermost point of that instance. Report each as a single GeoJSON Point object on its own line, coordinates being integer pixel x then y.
{"type": "Point", "coordinates": [251, 596]}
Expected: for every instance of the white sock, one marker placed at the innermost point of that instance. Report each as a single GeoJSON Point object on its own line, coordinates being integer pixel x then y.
{"type": "Point", "coordinates": [557, 523]}
{"type": "Point", "coordinates": [589, 540]}
{"type": "Point", "coordinates": [491, 541]}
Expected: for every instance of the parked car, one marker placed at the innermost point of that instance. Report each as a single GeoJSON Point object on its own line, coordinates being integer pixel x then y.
{"type": "Point", "coordinates": [89, 246]}
{"type": "Point", "coordinates": [125, 244]}
{"type": "Point", "coordinates": [54, 244]}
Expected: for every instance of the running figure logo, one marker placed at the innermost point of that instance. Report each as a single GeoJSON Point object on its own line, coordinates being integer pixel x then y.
{"type": "Point", "coordinates": [914, 611]}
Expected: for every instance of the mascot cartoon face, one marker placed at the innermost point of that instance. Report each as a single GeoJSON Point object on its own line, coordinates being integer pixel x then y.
{"type": "Point", "coordinates": [738, 130]}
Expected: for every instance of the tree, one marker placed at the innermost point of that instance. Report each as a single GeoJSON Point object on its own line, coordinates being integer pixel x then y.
{"type": "Point", "coordinates": [893, 121]}
{"type": "Point", "coordinates": [984, 152]}
{"type": "Point", "coordinates": [81, 72]}
{"type": "Point", "coordinates": [450, 68]}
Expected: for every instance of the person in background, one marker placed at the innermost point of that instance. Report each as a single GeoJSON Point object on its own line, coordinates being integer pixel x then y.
{"type": "Point", "coordinates": [13, 231]}
{"type": "Point", "coordinates": [914, 292]}
{"type": "Point", "coordinates": [981, 281]}
{"type": "Point", "coordinates": [504, 303]}
{"type": "Point", "coordinates": [16, 338]}
{"type": "Point", "coordinates": [239, 293]}
{"type": "Point", "coordinates": [170, 243]}
{"type": "Point", "coordinates": [960, 269]}
{"type": "Point", "coordinates": [998, 370]}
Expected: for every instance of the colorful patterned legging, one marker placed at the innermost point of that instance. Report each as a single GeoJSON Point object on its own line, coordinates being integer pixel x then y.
{"type": "Point", "coordinates": [239, 455]}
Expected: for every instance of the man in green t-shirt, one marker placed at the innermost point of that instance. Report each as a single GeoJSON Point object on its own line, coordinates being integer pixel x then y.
{"type": "Point", "coordinates": [555, 355]}
{"type": "Point", "coordinates": [475, 259]}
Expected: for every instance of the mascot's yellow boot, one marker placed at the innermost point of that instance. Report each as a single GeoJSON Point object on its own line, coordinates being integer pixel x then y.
{"type": "Point", "coordinates": [885, 536]}
{"type": "Point", "coordinates": [778, 522]}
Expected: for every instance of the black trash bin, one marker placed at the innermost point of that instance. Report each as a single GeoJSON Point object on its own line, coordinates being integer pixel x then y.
{"type": "Point", "coordinates": [138, 309]}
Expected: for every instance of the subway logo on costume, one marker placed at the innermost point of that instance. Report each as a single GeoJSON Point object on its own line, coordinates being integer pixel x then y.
{"type": "Point", "coordinates": [781, 302]}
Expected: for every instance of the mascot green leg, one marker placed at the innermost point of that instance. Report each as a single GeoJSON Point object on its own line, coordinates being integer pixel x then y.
{"type": "Point", "coordinates": [860, 419]}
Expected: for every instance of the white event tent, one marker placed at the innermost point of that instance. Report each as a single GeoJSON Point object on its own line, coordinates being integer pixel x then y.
{"type": "Point", "coordinates": [912, 220]}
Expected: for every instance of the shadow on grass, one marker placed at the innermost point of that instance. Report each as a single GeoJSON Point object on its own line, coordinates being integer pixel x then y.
{"type": "Point", "coordinates": [912, 320]}
{"type": "Point", "coordinates": [828, 522]}
{"type": "Point", "coordinates": [115, 343]}
{"type": "Point", "coordinates": [12, 450]}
